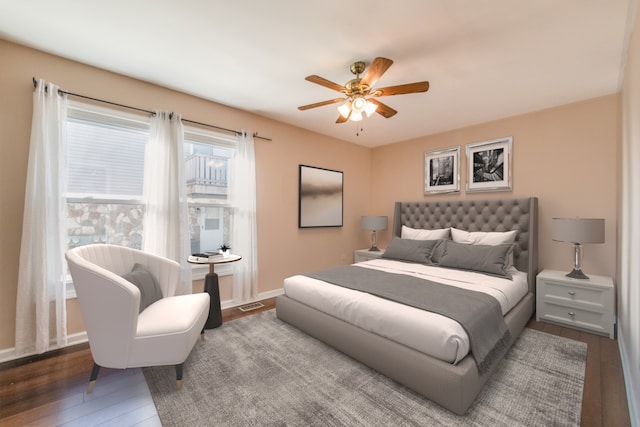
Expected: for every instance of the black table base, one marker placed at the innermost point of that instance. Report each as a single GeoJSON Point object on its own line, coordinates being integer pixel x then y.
{"type": "Point", "coordinates": [212, 287]}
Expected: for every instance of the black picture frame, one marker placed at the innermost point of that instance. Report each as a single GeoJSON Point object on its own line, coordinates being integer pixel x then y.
{"type": "Point", "coordinates": [320, 197]}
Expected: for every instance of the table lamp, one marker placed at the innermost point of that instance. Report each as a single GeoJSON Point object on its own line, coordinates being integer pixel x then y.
{"type": "Point", "coordinates": [374, 223]}
{"type": "Point", "coordinates": [577, 231]}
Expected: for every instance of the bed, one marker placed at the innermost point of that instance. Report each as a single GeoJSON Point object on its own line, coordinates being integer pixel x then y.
{"type": "Point", "coordinates": [455, 383]}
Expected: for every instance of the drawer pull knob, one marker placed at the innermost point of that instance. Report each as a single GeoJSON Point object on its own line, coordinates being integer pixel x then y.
{"type": "Point", "coordinates": [572, 293]}
{"type": "Point", "coordinates": [571, 313]}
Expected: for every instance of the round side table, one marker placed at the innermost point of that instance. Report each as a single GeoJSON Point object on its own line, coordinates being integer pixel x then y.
{"type": "Point", "coordinates": [212, 287]}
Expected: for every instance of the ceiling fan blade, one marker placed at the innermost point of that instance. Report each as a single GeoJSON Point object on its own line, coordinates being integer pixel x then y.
{"type": "Point", "coordinates": [320, 104]}
{"type": "Point", "coordinates": [324, 82]}
{"type": "Point", "coordinates": [402, 89]}
{"type": "Point", "coordinates": [383, 109]}
{"type": "Point", "coordinates": [375, 71]}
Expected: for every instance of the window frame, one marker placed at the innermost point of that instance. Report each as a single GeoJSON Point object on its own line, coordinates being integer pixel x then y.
{"type": "Point", "coordinates": [88, 112]}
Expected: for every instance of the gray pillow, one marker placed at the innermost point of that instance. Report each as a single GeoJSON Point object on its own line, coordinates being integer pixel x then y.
{"type": "Point", "coordinates": [437, 252]}
{"type": "Point", "coordinates": [150, 292]}
{"type": "Point", "coordinates": [492, 260]}
{"type": "Point", "coordinates": [410, 250]}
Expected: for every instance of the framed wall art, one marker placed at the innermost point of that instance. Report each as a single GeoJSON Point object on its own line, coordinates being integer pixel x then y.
{"type": "Point", "coordinates": [320, 199]}
{"type": "Point", "coordinates": [442, 171]}
{"type": "Point", "coordinates": [489, 165]}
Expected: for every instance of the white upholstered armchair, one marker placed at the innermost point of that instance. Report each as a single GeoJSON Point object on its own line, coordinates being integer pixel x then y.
{"type": "Point", "coordinates": [134, 325]}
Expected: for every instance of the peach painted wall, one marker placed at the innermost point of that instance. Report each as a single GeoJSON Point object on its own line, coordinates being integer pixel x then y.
{"type": "Point", "coordinates": [566, 156]}
{"type": "Point", "coordinates": [283, 248]}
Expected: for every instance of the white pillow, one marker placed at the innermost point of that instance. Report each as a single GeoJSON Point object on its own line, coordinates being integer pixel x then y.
{"type": "Point", "coordinates": [490, 238]}
{"type": "Point", "coordinates": [419, 234]}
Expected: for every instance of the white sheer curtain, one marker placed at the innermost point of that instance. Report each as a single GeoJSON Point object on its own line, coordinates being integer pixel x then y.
{"type": "Point", "coordinates": [166, 221]}
{"type": "Point", "coordinates": [628, 290]}
{"type": "Point", "coordinates": [41, 278]}
{"type": "Point", "coordinates": [242, 193]}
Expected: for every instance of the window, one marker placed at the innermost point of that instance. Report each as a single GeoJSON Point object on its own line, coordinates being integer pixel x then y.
{"type": "Point", "coordinates": [207, 156]}
{"type": "Point", "coordinates": [105, 169]}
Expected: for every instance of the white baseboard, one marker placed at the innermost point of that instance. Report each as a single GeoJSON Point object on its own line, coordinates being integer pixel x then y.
{"type": "Point", "coordinates": [632, 399]}
{"type": "Point", "coordinates": [9, 354]}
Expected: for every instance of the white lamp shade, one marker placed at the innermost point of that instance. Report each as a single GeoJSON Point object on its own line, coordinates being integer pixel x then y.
{"type": "Point", "coordinates": [370, 108]}
{"type": "Point", "coordinates": [359, 104]}
{"type": "Point", "coordinates": [375, 223]}
{"type": "Point", "coordinates": [355, 116]}
{"type": "Point", "coordinates": [578, 230]}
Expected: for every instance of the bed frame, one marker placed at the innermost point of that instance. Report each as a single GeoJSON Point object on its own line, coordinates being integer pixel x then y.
{"type": "Point", "coordinates": [453, 386]}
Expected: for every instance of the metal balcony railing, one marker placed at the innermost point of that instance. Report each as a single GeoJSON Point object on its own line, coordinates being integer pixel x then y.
{"type": "Point", "coordinates": [206, 170]}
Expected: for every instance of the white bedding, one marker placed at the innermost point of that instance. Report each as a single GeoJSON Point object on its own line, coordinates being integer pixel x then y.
{"type": "Point", "coordinates": [427, 332]}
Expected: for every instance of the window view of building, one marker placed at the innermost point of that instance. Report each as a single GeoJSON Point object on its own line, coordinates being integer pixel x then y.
{"type": "Point", "coordinates": [207, 174]}
{"type": "Point", "coordinates": [105, 167]}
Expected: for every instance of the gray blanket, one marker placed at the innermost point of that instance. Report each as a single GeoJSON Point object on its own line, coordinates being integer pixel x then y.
{"type": "Point", "coordinates": [478, 313]}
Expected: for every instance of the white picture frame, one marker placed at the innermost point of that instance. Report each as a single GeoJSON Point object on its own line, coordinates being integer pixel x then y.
{"type": "Point", "coordinates": [442, 171]}
{"type": "Point", "coordinates": [489, 165]}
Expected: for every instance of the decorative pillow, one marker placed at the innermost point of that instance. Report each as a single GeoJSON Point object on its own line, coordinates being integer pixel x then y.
{"type": "Point", "coordinates": [150, 291]}
{"type": "Point", "coordinates": [437, 252]}
{"type": "Point", "coordinates": [491, 238]}
{"type": "Point", "coordinates": [410, 250]}
{"type": "Point", "coordinates": [419, 234]}
{"type": "Point", "coordinates": [492, 260]}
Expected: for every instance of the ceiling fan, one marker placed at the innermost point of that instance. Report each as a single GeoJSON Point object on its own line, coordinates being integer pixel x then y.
{"type": "Point", "coordinates": [360, 92]}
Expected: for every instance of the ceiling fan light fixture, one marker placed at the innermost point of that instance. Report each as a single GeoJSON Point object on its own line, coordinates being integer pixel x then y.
{"type": "Point", "coordinates": [358, 96]}
{"type": "Point", "coordinates": [345, 110]}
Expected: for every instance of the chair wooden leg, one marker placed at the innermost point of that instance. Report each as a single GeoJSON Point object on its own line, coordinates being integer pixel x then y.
{"type": "Point", "coordinates": [202, 335]}
{"type": "Point", "coordinates": [179, 376]}
{"type": "Point", "coordinates": [93, 377]}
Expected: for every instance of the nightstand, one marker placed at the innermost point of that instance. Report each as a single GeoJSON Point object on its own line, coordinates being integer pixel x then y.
{"type": "Point", "coordinates": [366, 255]}
{"type": "Point", "coordinates": [584, 304]}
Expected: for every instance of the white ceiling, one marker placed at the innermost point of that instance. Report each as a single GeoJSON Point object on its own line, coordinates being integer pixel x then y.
{"type": "Point", "coordinates": [484, 59]}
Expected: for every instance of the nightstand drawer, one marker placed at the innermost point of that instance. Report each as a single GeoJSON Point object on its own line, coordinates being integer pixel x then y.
{"type": "Point", "coordinates": [361, 255]}
{"type": "Point", "coordinates": [564, 292]}
{"type": "Point", "coordinates": [575, 317]}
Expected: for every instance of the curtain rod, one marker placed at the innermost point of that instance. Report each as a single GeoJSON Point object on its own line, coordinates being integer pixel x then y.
{"type": "Point", "coordinates": [64, 92]}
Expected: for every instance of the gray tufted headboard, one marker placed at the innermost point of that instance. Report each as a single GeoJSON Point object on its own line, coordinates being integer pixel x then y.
{"type": "Point", "coordinates": [480, 215]}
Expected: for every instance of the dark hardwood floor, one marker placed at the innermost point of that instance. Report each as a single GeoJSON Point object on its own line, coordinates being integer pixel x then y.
{"type": "Point", "coordinates": [604, 398]}
{"type": "Point", "coordinates": [34, 388]}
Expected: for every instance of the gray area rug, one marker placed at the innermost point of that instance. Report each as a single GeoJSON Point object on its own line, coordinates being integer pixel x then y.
{"type": "Point", "coordinates": [258, 370]}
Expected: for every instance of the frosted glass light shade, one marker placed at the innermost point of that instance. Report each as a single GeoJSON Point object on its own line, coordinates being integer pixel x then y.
{"type": "Point", "coordinates": [359, 104]}
{"type": "Point", "coordinates": [356, 116]}
{"type": "Point", "coordinates": [370, 108]}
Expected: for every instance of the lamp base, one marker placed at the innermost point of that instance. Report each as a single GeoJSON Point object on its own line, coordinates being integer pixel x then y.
{"type": "Point", "coordinates": [576, 273]}
{"type": "Point", "coordinates": [374, 242]}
